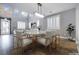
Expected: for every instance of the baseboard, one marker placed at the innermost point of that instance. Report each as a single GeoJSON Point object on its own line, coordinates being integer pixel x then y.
{"type": "Point", "coordinates": [71, 40]}
{"type": "Point", "coordinates": [67, 38]}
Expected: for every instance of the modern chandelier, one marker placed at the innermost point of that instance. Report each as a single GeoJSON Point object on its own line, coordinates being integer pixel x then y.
{"type": "Point", "coordinates": [39, 12]}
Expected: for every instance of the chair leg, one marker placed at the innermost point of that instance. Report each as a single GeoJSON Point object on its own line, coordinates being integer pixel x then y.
{"type": "Point", "coordinates": [34, 41]}
{"type": "Point", "coordinates": [55, 42]}
{"type": "Point", "coordinates": [58, 43]}
{"type": "Point", "coordinates": [50, 49]}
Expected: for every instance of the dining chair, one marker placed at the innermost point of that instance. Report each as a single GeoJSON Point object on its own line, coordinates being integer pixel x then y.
{"type": "Point", "coordinates": [45, 40]}
{"type": "Point", "coordinates": [56, 37]}
{"type": "Point", "coordinates": [22, 40]}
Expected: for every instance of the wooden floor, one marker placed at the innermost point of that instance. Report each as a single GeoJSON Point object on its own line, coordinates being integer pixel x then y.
{"type": "Point", "coordinates": [6, 48]}
{"type": "Point", "coordinates": [66, 47]}
{"type": "Point", "coordinates": [6, 44]}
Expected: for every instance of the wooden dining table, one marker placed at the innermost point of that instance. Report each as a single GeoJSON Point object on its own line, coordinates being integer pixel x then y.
{"type": "Point", "coordinates": [34, 36]}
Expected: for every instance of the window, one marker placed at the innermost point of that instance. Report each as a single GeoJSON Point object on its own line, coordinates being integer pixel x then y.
{"type": "Point", "coordinates": [20, 25]}
{"type": "Point", "coordinates": [53, 22]}
{"type": "Point", "coordinates": [35, 22]}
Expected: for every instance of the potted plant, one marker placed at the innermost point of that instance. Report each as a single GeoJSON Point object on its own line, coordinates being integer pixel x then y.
{"type": "Point", "coordinates": [70, 29]}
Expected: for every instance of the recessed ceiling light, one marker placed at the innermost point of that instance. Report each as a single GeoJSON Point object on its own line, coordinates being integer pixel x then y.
{"type": "Point", "coordinates": [24, 13]}
{"type": "Point", "coordinates": [6, 8]}
{"type": "Point", "coordinates": [30, 15]}
{"type": "Point", "coordinates": [16, 11]}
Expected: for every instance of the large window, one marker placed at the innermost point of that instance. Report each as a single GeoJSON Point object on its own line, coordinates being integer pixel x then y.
{"type": "Point", "coordinates": [53, 22]}
{"type": "Point", "coordinates": [20, 25]}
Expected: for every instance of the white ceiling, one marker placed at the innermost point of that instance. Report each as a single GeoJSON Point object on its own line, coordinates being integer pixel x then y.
{"type": "Point", "coordinates": [47, 8]}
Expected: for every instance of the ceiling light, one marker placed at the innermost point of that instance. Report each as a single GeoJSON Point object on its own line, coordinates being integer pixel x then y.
{"type": "Point", "coordinates": [24, 13]}
{"type": "Point", "coordinates": [39, 11]}
{"type": "Point", "coordinates": [39, 15]}
{"type": "Point", "coordinates": [6, 9]}
{"type": "Point", "coordinates": [16, 11]}
{"type": "Point", "coordinates": [30, 15]}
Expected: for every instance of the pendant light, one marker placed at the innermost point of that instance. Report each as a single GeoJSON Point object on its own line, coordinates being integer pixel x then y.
{"type": "Point", "coordinates": [39, 13]}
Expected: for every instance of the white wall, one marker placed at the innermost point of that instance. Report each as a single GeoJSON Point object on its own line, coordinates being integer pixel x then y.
{"type": "Point", "coordinates": [15, 19]}
{"type": "Point", "coordinates": [77, 26]}
{"type": "Point", "coordinates": [66, 17]}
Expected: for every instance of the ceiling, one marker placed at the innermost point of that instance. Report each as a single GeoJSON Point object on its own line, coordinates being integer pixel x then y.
{"type": "Point", "coordinates": [47, 8]}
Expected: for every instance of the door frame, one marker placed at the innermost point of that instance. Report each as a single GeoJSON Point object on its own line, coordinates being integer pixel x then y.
{"type": "Point", "coordinates": [7, 19]}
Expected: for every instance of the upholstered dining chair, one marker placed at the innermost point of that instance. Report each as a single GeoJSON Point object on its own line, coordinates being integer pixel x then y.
{"type": "Point", "coordinates": [45, 39]}
{"type": "Point", "coordinates": [56, 39]}
{"type": "Point", "coordinates": [21, 39]}
{"type": "Point", "coordinates": [17, 38]}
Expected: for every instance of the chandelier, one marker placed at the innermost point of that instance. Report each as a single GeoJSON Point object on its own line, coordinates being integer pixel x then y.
{"type": "Point", "coordinates": [39, 12]}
